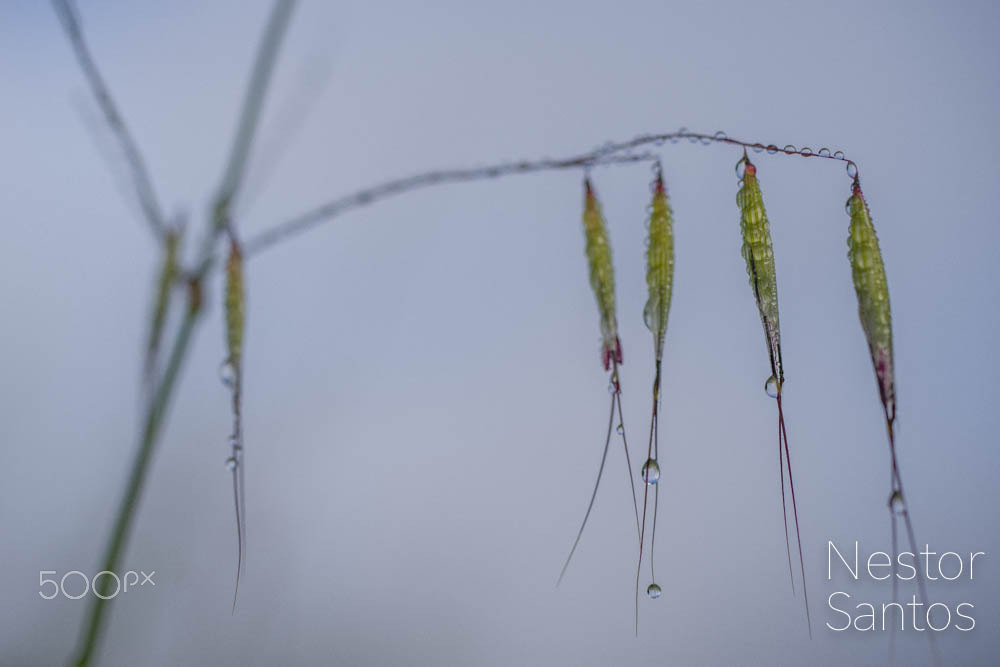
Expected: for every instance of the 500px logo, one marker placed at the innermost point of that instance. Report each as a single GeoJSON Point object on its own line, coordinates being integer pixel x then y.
{"type": "Point", "coordinates": [122, 584]}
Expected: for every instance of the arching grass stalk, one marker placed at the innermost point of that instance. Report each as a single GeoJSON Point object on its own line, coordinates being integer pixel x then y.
{"type": "Point", "coordinates": [227, 198]}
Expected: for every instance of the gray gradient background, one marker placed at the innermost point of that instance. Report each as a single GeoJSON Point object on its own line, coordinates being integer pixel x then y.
{"type": "Point", "coordinates": [424, 400]}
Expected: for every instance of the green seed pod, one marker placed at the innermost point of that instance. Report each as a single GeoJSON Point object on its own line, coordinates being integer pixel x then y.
{"type": "Point", "coordinates": [602, 274]}
{"type": "Point", "coordinates": [758, 251]}
{"type": "Point", "coordinates": [759, 255]}
{"type": "Point", "coordinates": [872, 289]}
{"type": "Point", "coordinates": [659, 266]}
{"type": "Point", "coordinates": [234, 305]}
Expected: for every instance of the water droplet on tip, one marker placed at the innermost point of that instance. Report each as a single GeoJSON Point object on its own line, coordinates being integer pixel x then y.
{"type": "Point", "coordinates": [771, 387]}
{"type": "Point", "coordinates": [621, 429]}
{"type": "Point", "coordinates": [231, 463]}
{"type": "Point", "coordinates": [654, 591]}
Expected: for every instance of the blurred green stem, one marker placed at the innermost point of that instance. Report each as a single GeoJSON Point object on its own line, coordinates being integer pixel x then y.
{"type": "Point", "coordinates": [94, 620]}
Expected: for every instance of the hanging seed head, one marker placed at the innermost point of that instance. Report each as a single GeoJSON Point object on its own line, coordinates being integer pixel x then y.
{"type": "Point", "coordinates": [659, 265]}
{"type": "Point", "coordinates": [868, 272]}
{"type": "Point", "coordinates": [602, 273]}
{"type": "Point", "coordinates": [234, 304]}
{"type": "Point", "coordinates": [759, 255]}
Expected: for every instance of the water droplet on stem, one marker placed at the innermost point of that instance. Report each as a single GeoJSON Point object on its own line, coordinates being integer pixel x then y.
{"type": "Point", "coordinates": [651, 471]}
{"type": "Point", "coordinates": [896, 503]}
{"type": "Point", "coordinates": [227, 373]}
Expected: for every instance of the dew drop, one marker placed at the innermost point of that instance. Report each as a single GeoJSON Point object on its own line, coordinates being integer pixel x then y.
{"type": "Point", "coordinates": [741, 167]}
{"type": "Point", "coordinates": [651, 471]}
{"type": "Point", "coordinates": [611, 387]}
{"type": "Point", "coordinates": [852, 169]}
{"type": "Point", "coordinates": [720, 136]}
{"type": "Point", "coordinates": [771, 387]}
{"type": "Point", "coordinates": [789, 149]}
{"type": "Point", "coordinates": [772, 149]}
{"type": "Point", "coordinates": [654, 591]}
{"type": "Point", "coordinates": [227, 373]}
{"type": "Point", "coordinates": [839, 155]}
{"type": "Point", "coordinates": [620, 430]}
{"type": "Point", "coordinates": [650, 316]}
{"type": "Point", "coordinates": [757, 148]}
{"type": "Point", "coordinates": [825, 152]}
{"type": "Point", "coordinates": [231, 463]}
{"type": "Point", "coordinates": [896, 504]}
{"type": "Point", "coordinates": [806, 151]}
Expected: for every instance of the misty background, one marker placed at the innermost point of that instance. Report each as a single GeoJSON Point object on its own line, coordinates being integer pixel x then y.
{"type": "Point", "coordinates": [424, 401]}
